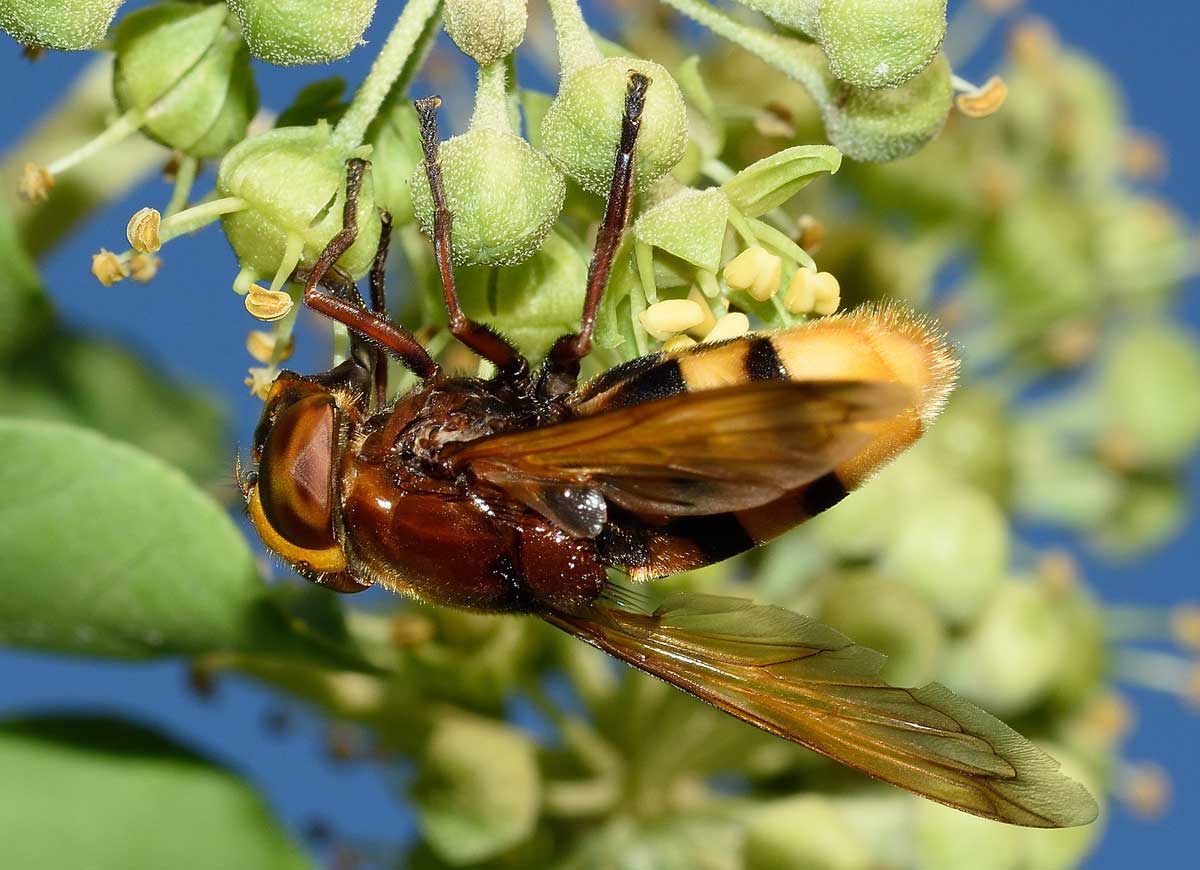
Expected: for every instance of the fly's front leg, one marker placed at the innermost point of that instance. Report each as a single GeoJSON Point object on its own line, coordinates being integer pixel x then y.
{"type": "Point", "coordinates": [478, 337]}
{"type": "Point", "coordinates": [562, 366]}
{"type": "Point", "coordinates": [372, 327]}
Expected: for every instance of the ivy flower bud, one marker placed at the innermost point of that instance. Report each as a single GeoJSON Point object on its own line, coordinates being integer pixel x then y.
{"type": "Point", "coordinates": [755, 270]}
{"type": "Point", "coordinates": [968, 529]}
{"type": "Point", "coordinates": [1148, 389]}
{"type": "Point", "coordinates": [880, 43]}
{"type": "Point", "coordinates": [582, 127]}
{"type": "Point", "coordinates": [878, 125]}
{"type": "Point", "coordinates": [891, 618]}
{"type": "Point", "coordinates": [67, 25]}
{"type": "Point", "coordinates": [486, 30]}
{"type": "Point", "coordinates": [505, 195]}
{"type": "Point", "coordinates": [291, 32]}
{"type": "Point", "coordinates": [292, 181]}
{"type": "Point", "coordinates": [184, 73]}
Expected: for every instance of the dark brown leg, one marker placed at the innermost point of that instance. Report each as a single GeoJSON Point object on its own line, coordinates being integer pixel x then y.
{"type": "Point", "coordinates": [483, 340]}
{"type": "Point", "coordinates": [379, 302]}
{"type": "Point", "coordinates": [371, 327]}
{"type": "Point", "coordinates": [563, 362]}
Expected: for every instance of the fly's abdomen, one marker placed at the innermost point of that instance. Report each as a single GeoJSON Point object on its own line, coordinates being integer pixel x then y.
{"type": "Point", "coordinates": [875, 343]}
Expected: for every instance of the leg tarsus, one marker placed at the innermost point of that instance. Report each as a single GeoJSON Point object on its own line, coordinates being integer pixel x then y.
{"type": "Point", "coordinates": [372, 327]}
{"type": "Point", "coordinates": [379, 374]}
{"type": "Point", "coordinates": [562, 365]}
{"type": "Point", "coordinates": [478, 337]}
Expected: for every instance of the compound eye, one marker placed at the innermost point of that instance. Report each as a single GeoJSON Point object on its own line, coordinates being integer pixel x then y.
{"type": "Point", "coordinates": [295, 477]}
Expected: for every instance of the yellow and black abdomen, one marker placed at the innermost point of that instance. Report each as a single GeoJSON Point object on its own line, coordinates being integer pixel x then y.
{"type": "Point", "coordinates": [885, 343]}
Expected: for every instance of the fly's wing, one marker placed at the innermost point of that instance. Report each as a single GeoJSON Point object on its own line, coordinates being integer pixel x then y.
{"type": "Point", "coordinates": [693, 454]}
{"type": "Point", "coordinates": [805, 682]}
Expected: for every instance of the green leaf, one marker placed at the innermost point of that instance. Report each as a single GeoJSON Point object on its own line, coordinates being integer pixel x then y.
{"type": "Point", "coordinates": [111, 552]}
{"type": "Point", "coordinates": [317, 101]}
{"type": "Point", "coordinates": [773, 180]}
{"type": "Point", "coordinates": [103, 794]}
{"type": "Point", "coordinates": [106, 387]}
{"type": "Point", "coordinates": [479, 790]}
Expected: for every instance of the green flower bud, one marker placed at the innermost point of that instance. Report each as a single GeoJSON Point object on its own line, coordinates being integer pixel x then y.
{"type": "Point", "coordinates": [504, 194]}
{"type": "Point", "coordinates": [972, 441]}
{"type": "Point", "coordinates": [186, 75]}
{"type": "Point", "coordinates": [291, 32]}
{"type": "Point", "coordinates": [945, 837]}
{"type": "Point", "coordinates": [1149, 388]}
{"type": "Point", "coordinates": [877, 125]}
{"type": "Point", "coordinates": [478, 790]}
{"type": "Point", "coordinates": [293, 183]}
{"type": "Point", "coordinates": [935, 540]}
{"type": "Point", "coordinates": [797, 14]}
{"type": "Point", "coordinates": [802, 831]}
{"type": "Point", "coordinates": [1015, 651]}
{"type": "Point", "coordinates": [486, 30]}
{"type": "Point", "coordinates": [68, 25]}
{"type": "Point", "coordinates": [583, 125]}
{"type": "Point", "coordinates": [1152, 509]}
{"type": "Point", "coordinates": [395, 138]}
{"type": "Point", "coordinates": [880, 43]}
{"type": "Point", "coordinates": [891, 618]}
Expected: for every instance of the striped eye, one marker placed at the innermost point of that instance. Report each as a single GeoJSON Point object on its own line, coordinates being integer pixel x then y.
{"type": "Point", "coordinates": [295, 480]}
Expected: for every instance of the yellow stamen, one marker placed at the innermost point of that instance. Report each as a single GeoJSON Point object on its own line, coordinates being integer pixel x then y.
{"type": "Point", "coordinates": [268, 304]}
{"type": "Point", "coordinates": [1185, 625]}
{"type": "Point", "coordinates": [142, 231]}
{"type": "Point", "coordinates": [983, 101]}
{"type": "Point", "coordinates": [261, 345]}
{"type": "Point", "coordinates": [35, 184]}
{"type": "Point", "coordinates": [755, 270]}
{"type": "Point", "coordinates": [143, 267]}
{"type": "Point", "coordinates": [705, 326]}
{"type": "Point", "coordinates": [732, 325]}
{"type": "Point", "coordinates": [677, 343]}
{"type": "Point", "coordinates": [260, 380]}
{"type": "Point", "coordinates": [108, 268]}
{"type": "Point", "coordinates": [664, 319]}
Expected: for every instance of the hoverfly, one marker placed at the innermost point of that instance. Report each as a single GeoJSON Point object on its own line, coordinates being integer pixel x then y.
{"type": "Point", "coordinates": [516, 494]}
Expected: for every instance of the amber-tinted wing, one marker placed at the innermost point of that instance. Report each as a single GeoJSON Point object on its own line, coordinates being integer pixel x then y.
{"type": "Point", "coordinates": [806, 682]}
{"type": "Point", "coordinates": [697, 453]}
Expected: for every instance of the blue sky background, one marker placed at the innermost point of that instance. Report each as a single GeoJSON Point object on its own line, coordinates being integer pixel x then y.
{"type": "Point", "coordinates": [191, 323]}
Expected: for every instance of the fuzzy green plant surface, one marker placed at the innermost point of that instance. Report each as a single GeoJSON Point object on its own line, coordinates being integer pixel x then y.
{"type": "Point", "coordinates": [809, 160]}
